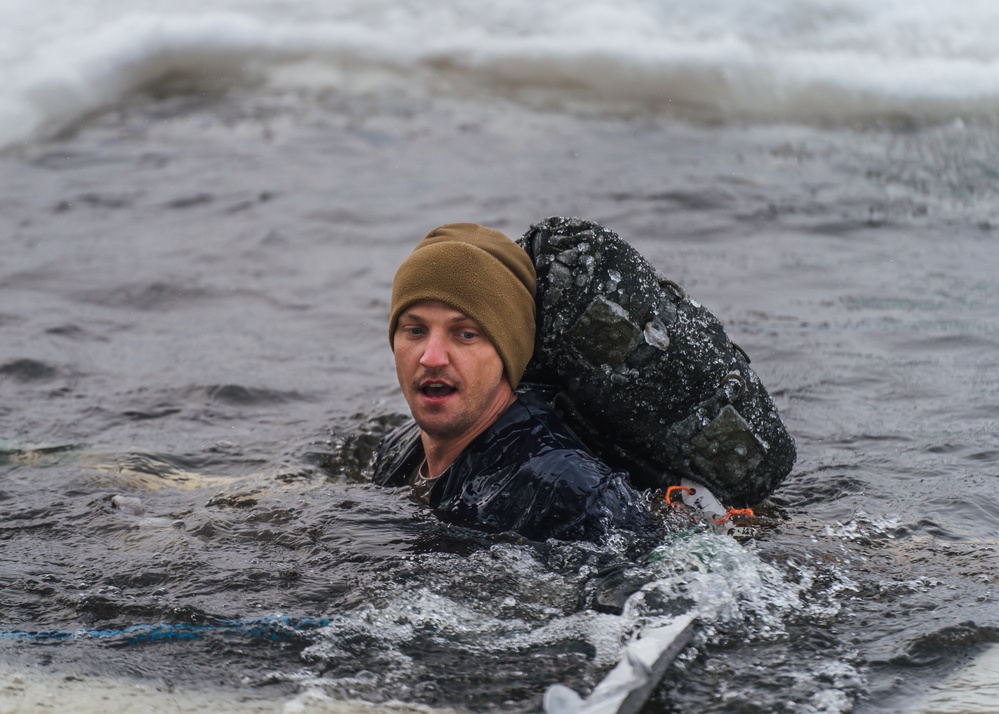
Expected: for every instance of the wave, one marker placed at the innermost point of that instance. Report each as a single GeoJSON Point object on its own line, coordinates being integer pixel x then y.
{"type": "Point", "coordinates": [834, 61]}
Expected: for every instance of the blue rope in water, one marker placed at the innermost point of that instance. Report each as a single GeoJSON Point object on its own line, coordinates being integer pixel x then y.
{"type": "Point", "coordinates": [275, 627]}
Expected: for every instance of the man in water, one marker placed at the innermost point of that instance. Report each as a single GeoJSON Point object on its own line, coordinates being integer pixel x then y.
{"type": "Point", "coordinates": [478, 452]}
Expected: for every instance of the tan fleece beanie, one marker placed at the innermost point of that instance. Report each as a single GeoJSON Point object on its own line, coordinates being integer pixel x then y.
{"type": "Point", "coordinates": [481, 273]}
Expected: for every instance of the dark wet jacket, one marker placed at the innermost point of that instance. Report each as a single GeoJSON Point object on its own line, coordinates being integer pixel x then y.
{"type": "Point", "coordinates": [526, 473]}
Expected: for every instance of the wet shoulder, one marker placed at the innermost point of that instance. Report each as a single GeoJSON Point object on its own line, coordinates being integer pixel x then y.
{"type": "Point", "coordinates": [551, 449]}
{"type": "Point", "coordinates": [538, 416]}
{"type": "Point", "coordinates": [398, 455]}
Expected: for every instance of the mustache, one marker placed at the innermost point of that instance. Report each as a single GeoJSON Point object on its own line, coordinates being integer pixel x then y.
{"type": "Point", "coordinates": [435, 375]}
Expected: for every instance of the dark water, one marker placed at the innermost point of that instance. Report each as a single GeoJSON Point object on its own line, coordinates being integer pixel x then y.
{"type": "Point", "coordinates": [194, 369]}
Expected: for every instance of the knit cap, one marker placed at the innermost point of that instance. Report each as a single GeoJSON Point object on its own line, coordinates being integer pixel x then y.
{"type": "Point", "coordinates": [482, 274]}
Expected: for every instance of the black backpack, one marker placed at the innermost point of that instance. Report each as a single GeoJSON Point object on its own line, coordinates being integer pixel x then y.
{"type": "Point", "coordinates": [645, 375]}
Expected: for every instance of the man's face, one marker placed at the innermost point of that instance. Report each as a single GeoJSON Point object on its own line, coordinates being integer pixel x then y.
{"type": "Point", "coordinates": [450, 373]}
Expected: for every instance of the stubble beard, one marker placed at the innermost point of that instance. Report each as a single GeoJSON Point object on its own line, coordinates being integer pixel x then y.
{"type": "Point", "coordinates": [455, 426]}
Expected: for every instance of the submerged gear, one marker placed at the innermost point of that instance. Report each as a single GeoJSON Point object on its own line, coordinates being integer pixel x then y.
{"type": "Point", "coordinates": [526, 473]}
{"type": "Point", "coordinates": [481, 273]}
{"type": "Point", "coordinates": [645, 375]}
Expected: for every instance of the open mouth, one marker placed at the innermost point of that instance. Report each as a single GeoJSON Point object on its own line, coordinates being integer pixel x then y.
{"type": "Point", "coordinates": [435, 390]}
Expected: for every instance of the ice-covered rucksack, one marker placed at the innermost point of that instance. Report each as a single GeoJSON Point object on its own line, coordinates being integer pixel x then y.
{"type": "Point", "coordinates": [645, 375]}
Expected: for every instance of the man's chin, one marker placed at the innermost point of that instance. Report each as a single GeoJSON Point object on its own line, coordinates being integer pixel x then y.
{"type": "Point", "coordinates": [441, 427]}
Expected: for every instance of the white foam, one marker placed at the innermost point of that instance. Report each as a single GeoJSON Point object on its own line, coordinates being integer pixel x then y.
{"type": "Point", "coordinates": [792, 59]}
{"type": "Point", "coordinates": [37, 692]}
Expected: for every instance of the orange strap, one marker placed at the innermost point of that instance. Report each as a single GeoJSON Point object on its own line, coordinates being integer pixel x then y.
{"type": "Point", "coordinates": [673, 489]}
{"type": "Point", "coordinates": [732, 512]}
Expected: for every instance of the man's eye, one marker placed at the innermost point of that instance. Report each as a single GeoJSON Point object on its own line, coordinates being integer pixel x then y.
{"type": "Point", "coordinates": [468, 335]}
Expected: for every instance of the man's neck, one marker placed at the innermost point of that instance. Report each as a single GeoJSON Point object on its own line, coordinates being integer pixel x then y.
{"type": "Point", "coordinates": [441, 453]}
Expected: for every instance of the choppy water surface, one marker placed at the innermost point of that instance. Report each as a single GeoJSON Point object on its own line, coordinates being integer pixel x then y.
{"type": "Point", "coordinates": [194, 370]}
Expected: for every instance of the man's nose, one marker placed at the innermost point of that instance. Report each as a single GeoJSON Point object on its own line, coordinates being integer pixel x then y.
{"type": "Point", "coordinates": [435, 352]}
